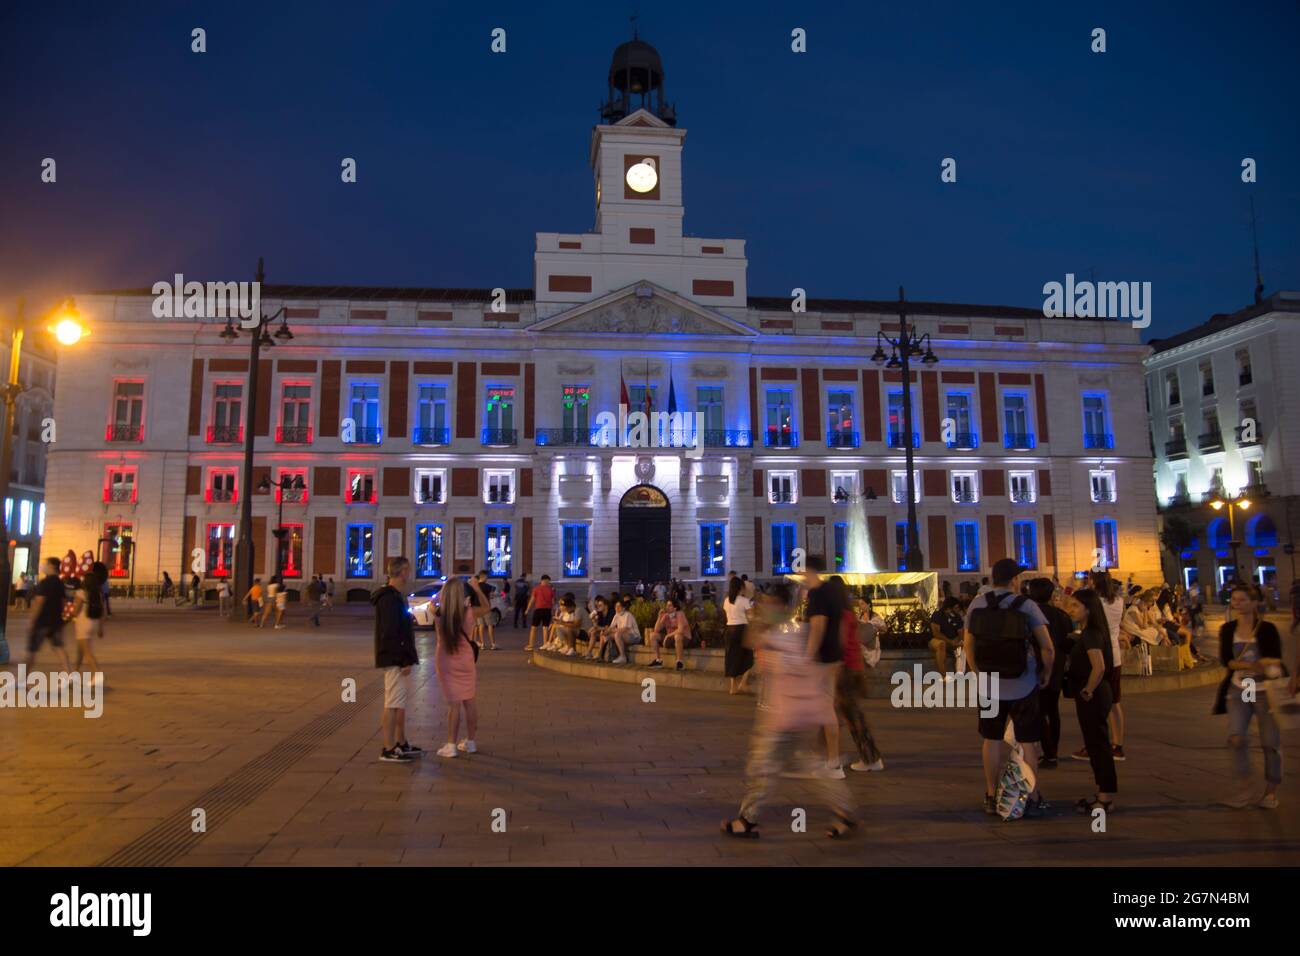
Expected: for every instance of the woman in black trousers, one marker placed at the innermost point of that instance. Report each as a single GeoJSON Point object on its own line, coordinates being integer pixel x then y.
{"type": "Point", "coordinates": [1085, 679]}
{"type": "Point", "coordinates": [739, 659]}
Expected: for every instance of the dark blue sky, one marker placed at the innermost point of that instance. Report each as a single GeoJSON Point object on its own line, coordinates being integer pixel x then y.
{"type": "Point", "coordinates": [827, 163]}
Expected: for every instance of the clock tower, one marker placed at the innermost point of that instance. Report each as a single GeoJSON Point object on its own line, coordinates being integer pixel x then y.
{"type": "Point", "coordinates": [636, 163]}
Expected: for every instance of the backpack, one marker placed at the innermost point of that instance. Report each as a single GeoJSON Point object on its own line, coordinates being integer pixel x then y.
{"type": "Point", "coordinates": [94, 599]}
{"type": "Point", "coordinates": [1002, 636]}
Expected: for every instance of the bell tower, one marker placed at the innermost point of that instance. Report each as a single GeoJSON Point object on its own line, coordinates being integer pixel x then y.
{"type": "Point", "coordinates": [636, 164]}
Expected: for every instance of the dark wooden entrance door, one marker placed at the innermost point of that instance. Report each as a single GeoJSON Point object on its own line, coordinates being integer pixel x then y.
{"type": "Point", "coordinates": [644, 535]}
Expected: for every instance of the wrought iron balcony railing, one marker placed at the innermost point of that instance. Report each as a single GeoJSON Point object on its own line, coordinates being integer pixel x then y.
{"type": "Point", "coordinates": [1098, 440]}
{"type": "Point", "coordinates": [896, 439]}
{"type": "Point", "coordinates": [964, 497]}
{"type": "Point", "coordinates": [225, 434]}
{"type": "Point", "coordinates": [366, 435]}
{"type": "Point", "coordinates": [727, 438]}
{"type": "Point", "coordinates": [119, 495]}
{"type": "Point", "coordinates": [841, 439]}
{"type": "Point", "coordinates": [1022, 497]}
{"type": "Point", "coordinates": [424, 435]}
{"type": "Point", "coordinates": [293, 435]}
{"type": "Point", "coordinates": [1210, 441]}
{"type": "Point", "coordinates": [1176, 448]}
{"type": "Point", "coordinates": [499, 437]}
{"type": "Point", "coordinates": [124, 432]}
{"type": "Point", "coordinates": [780, 438]}
{"type": "Point", "coordinates": [964, 440]}
{"type": "Point", "coordinates": [1019, 441]}
{"type": "Point", "coordinates": [572, 436]}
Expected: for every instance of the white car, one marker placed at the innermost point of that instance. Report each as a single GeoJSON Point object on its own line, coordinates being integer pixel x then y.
{"type": "Point", "coordinates": [420, 603]}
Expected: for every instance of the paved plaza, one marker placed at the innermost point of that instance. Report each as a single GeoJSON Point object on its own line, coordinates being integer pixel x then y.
{"type": "Point", "coordinates": [250, 727]}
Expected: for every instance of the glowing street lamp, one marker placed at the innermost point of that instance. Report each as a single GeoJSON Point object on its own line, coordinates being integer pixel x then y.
{"type": "Point", "coordinates": [1232, 502]}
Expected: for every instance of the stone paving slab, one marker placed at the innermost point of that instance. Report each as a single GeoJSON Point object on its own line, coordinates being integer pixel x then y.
{"type": "Point", "coordinates": [586, 773]}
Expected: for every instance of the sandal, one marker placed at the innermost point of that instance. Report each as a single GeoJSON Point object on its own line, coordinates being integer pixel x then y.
{"type": "Point", "coordinates": [841, 828]}
{"type": "Point", "coordinates": [1088, 804]}
{"type": "Point", "coordinates": [749, 831]}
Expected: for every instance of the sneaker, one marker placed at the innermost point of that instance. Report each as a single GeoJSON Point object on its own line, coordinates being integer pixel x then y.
{"type": "Point", "coordinates": [571, 653]}
{"type": "Point", "coordinates": [656, 664]}
{"type": "Point", "coordinates": [681, 665]}
{"type": "Point", "coordinates": [990, 805]}
{"type": "Point", "coordinates": [834, 772]}
{"type": "Point", "coordinates": [621, 659]}
{"type": "Point", "coordinates": [1080, 754]}
{"type": "Point", "coordinates": [862, 766]}
{"type": "Point", "coordinates": [1117, 752]}
{"type": "Point", "coordinates": [446, 750]}
{"type": "Point", "coordinates": [1268, 801]}
{"type": "Point", "coordinates": [467, 746]}
{"type": "Point", "coordinates": [1047, 763]}
{"type": "Point", "coordinates": [394, 756]}
{"type": "Point", "coordinates": [410, 749]}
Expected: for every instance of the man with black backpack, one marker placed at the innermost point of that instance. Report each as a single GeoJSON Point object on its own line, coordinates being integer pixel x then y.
{"type": "Point", "coordinates": [1002, 628]}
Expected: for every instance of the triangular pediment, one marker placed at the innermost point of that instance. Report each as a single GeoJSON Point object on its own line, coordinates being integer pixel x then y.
{"type": "Point", "coordinates": [642, 308]}
{"type": "Point", "coordinates": [642, 117]}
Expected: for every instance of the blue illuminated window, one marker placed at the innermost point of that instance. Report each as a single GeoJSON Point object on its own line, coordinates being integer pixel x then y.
{"type": "Point", "coordinates": [574, 542]}
{"type": "Point", "coordinates": [1106, 538]}
{"type": "Point", "coordinates": [428, 550]}
{"type": "Point", "coordinates": [361, 551]}
{"type": "Point", "coordinates": [713, 549]}
{"type": "Point", "coordinates": [841, 544]}
{"type": "Point", "coordinates": [900, 540]}
{"type": "Point", "coordinates": [782, 546]}
{"type": "Point", "coordinates": [498, 550]}
{"type": "Point", "coordinates": [1024, 539]}
{"type": "Point", "coordinates": [968, 545]}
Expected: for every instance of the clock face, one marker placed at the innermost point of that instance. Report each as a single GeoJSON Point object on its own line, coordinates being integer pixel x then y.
{"type": "Point", "coordinates": [642, 176]}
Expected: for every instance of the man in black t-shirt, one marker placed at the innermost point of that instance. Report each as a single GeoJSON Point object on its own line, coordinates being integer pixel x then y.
{"type": "Point", "coordinates": [1059, 628]}
{"type": "Point", "coordinates": [47, 614]}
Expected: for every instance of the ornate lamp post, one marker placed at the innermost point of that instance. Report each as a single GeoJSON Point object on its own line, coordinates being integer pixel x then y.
{"type": "Point", "coordinates": [244, 546]}
{"type": "Point", "coordinates": [1232, 502]}
{"type": "Point", "coordinates": [68, 329]}
{"type": "Point", "coordinates": [902, 348]}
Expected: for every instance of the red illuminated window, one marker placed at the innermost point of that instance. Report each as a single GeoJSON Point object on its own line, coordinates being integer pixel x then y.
{"type": "Point", "coordinates": [220, 550]}
{"type": "Point", "coordinates": [291, 551]}
{"type": "Point", "coordinates": [221, 486]}
{"type": "Point", "coordinates": [120, 485]}
{"type": "Point", "coordinates": [291, 495]}
{"type": "Point", "coordinates": [116, 546]}
{"type": "Point", "coordinates": [361, 487]}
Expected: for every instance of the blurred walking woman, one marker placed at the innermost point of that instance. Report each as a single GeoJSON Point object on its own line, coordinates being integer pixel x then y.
{"type": "Point", "coordinates": [739, 660]}
{"type": "Point", "coordinates": [1251, 649]}
{"type": "Point", "coordinates": [88, 614]}
{"type": "Point", "coordinates": [1085, 677]}
{"type": "Point", "coordinates": [456, 660]}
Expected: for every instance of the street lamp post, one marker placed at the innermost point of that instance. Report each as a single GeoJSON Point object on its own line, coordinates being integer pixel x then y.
{"type": "Point", "coordinates": [68, 330]}
{"type": "Point", "coordinates": [244, 546]}
{"type": "Point", "coordinates": [902, 348]}
{"type": "Point", "coordinates": [1232, 502]}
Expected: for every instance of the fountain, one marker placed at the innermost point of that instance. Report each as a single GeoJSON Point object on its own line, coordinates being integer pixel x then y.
{"type": "Point", "coordinates": [857, 545]}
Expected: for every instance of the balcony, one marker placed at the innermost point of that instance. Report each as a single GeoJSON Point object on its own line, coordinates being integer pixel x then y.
{"type": "Point", "coordinates": [781, 498]}
{"type": "Point", "coordinates": [896, 439]}
{"type": "Point", "coordinates": [1255, 490]}
{"type": "Point", "coordinates": [225, 434]}
{"type": "Point", "coordinates": [1019, 441]}
{"type": "Point", "coordinates": [1022, 496]}
{"type": "Point", "coordinates": [119, 496]}
{"type": "Point", "coordinates": [500, 437]}
{"type": "Point", "coordinates": [965, 440]}
{"type": "Point", "coordinates": [366, 435]}
{"type": "Point", "coordinates": [500, 496]}
{"type": "Point", "coordinates": [566, 436]}
{"type": "Point", "coordinates": [1254, 436]}
{"type": "Point", "coordinates": [1176, 448]}
{"type": "Point", "coordinates": [291, 496]}
{"type": "Point", "coordinates": [218, 496]}
{"type": "Point", "coordinates": [121, 432]}
{"type": "Point", "coordinates": [293, 435]}
{"type": "Point", "coordinates": [841, 439]}
{"type": "Point", "coordinates": [780, 438]}
{"type": "Point", "coordinates": [363, 497]}
{"type": "Point", "coordinates": [1210, 441]}
{"type": "Point", "coordinates": [728, 438]}
{"type": "Point", "coordinates": [1098, 440]}
{"type": "Point", "coordinates": [1105, 497]}
{"type": "Point", "coordinates": [964, 497]}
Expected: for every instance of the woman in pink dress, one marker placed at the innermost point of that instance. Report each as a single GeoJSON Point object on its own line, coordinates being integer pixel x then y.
{"type": "Point", "coordinates": [455, 662]}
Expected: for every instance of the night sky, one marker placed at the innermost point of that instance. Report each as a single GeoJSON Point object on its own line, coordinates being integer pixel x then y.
{"type": "Point", "coordinates": [1122, 166]}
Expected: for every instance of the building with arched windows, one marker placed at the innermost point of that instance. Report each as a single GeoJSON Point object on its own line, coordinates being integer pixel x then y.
{"type": "Point", "coordinates": [481, 428]}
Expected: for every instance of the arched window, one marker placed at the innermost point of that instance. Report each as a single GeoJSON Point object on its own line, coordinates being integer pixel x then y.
{"type": "Point", "coordinates": [1261, 532]}
{"type": "Point", "coordinates": [1217, 534]}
